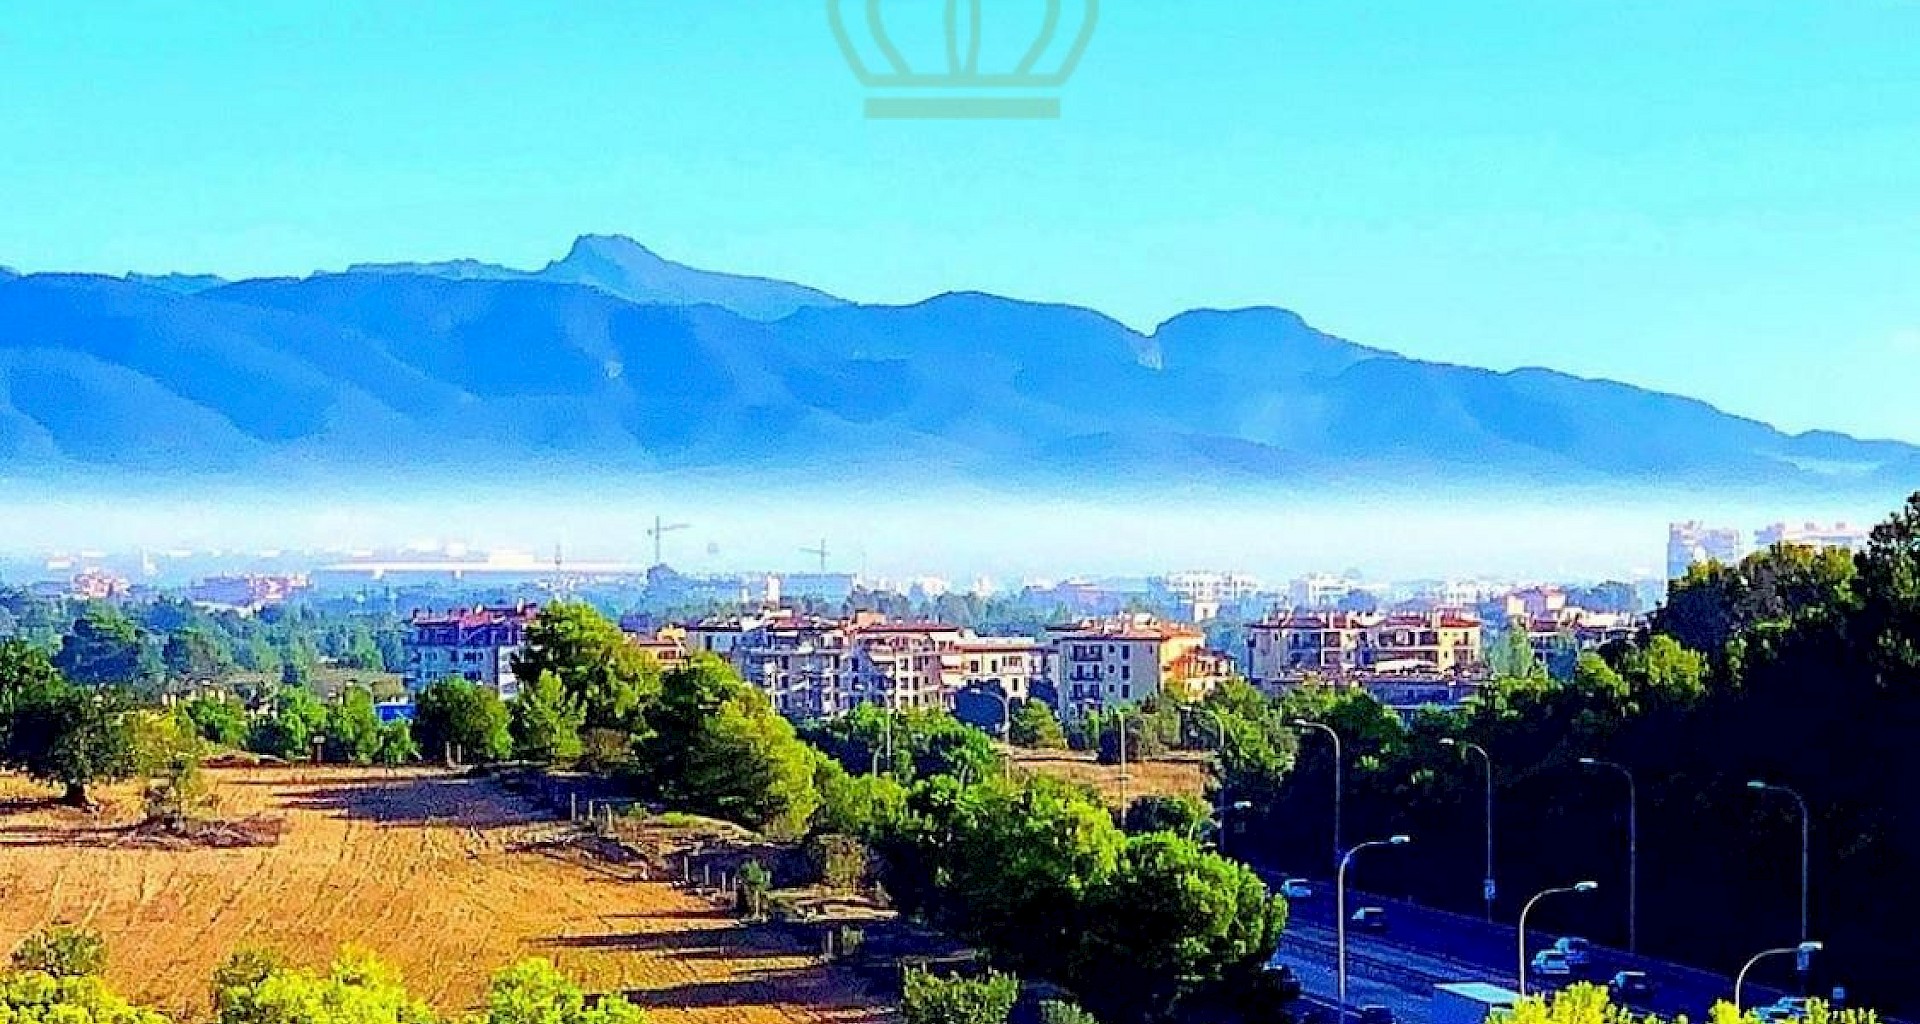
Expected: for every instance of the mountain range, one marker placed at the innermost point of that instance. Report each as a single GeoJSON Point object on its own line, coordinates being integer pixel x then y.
{"type": "Point", "coordinates": [614, 360]}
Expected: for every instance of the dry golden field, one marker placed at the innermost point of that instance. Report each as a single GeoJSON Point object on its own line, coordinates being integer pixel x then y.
{"type": "Point", "coordinates": [446, 878]}
{"type": "Point", "coordinates": [1170, 775]}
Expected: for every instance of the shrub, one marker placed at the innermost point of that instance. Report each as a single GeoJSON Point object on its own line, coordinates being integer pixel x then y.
{"type": "Point", "coordinates": [754, 884]}
{"type": "Point", "coordinates": [62, 951]}
{"type": "Point", "coordinates": [1055, 1011]}
{"type": "Point", "coordinates": [935, 1000]}
{"type": "Point", "coordinates": [843, 861]}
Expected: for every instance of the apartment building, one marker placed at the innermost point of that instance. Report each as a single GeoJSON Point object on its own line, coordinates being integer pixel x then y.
{"type": "Point", "coordinates": [1813, 535]}
{"type": "Point", "coordinates": [476, 644]}
{"type": "Point", "coordinates": [1691, 543]}
{"type": "Point", "coordinates": [1125, 660]}
{"type": "Point", "coordinates": [1285, 648]}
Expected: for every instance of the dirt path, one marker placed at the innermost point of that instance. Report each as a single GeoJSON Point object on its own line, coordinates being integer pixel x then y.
{"type": "Point", "coordinates": [448, 879]}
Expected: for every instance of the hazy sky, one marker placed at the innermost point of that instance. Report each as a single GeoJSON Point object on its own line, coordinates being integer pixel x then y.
{"type": "Point", "coordinates": [1717, 197]}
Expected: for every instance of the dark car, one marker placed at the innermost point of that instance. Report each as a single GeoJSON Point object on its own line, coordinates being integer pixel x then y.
{"type": "Point", "coordinates": [1374, 1013]}
{"type": "Point", "coordinates": [1280, 983]}
{"type": "Point", "coordinates": [1372, 919]}
{"type": "Point", "coordinates": [1632, 988]}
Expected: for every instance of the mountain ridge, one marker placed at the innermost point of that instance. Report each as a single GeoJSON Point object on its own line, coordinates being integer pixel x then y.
{"type": "Point", "coordinates": [628, 362]}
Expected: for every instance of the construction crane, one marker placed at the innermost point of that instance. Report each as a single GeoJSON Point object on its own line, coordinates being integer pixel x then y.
{"type": "Point", "coordinates": [661, 529]}
{"type": "Point", "coordinates": [819, 552]}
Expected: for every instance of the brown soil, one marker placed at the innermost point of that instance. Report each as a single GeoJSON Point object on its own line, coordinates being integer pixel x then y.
{"type": "Point", "coordinates": [446, 878]}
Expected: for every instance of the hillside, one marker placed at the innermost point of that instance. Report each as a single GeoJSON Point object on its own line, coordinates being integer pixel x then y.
{"type": "Point", "coordinates": [615, 358]}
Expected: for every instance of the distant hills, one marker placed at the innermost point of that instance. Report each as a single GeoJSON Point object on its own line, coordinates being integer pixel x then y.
{"type": "Point", "coordinates": [617, 360]}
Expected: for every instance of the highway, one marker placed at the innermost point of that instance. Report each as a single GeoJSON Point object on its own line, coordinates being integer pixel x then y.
{"type": "Point", "coordinates": [1425, 947]}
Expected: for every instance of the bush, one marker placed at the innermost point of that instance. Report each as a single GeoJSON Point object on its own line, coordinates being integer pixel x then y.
{"type": "Point", "coordinates": [534, 992]}
{"type": "Point", "coordinates": [1184, 816]}
{"type": "Point", "coordinates": [754, 884]}
{"type": "Point", "coordinates": [934, 1000]}
{"type": "Point", "coordinates": [1055, 1011]}
{"type": "Point", "coordinates": [1035, 727]}
{"type": "Point", "coordinates": [842, 861]}
{"type": "Point", "coordinates": [62, 951]}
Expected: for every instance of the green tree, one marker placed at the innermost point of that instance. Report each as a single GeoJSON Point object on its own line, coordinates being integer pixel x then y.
{"type": "Point", "coordinates": [930, 999]}
{"type": "Point", "coordinates": [459, 716]}
{"type": "Point", "coordinates": [396, 744]}
{"type": "Point", "coordinates": [102, 648]}
{"type": "Point", "coordinates": [32, 996]}
{"type": "Point", "coordinates": [546, 722]}
{"type": "Point", "coordinates": [357, 990]}
{"type": "Point", "coordinates": [218, 718]}
{"type": "Point", "coordinates": [1179, 814]}
{"type": "Point", "coordinates": [610, 678]}
{"type": "Point", "coordinates": [1169, 922]}
{"type": "Point", "coordinates": [718, 748]}
{"type": "Point", "coordinates": [71, 737]}
{"type": "Point", "coordinates": [1055, 1011]}
{"type": "Point", "coordinates": [353, 728]}
{"type": "Point", "coordinates": [195, 653]}
{"type": "Point", "coordinates": [534, 992]}
{"type": "Point", "coordinates": [288, 727]}
{"type": "Point", "coordinates": [1034, 726]}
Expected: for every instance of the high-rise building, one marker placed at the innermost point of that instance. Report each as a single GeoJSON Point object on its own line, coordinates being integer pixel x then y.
{"type": "Point", "coordinates": [1691, 543]}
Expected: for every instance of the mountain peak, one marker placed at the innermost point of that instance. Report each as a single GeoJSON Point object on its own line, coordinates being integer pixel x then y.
{"type": "Point", "coordinates": [615, 248]}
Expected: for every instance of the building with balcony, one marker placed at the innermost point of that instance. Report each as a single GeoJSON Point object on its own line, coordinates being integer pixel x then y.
{"type": "Point", "coordinates": [1125, 660]}
{"type": "Point", "coordinates": [475, 644]}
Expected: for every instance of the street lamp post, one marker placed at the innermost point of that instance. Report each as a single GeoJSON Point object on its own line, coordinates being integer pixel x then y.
{"type": "Point", "coordinates": [1804, 951]}
{"type": "Point", "coordinates": [1006, 730]}
{"type": "Point", "coordinates": [1237, 805]}
{"type": "Point", "coordinates": [1528, 909]}
{"type": "Point", "coordinates": [1633, 848]}
{"type": "Point", "coordinates": [1302, 723]}
{"type": "Point", "coordinates": [1220, 763]}
{"type": "Point", "coordinates": [1806, 842]}
{"type": "Point", "coordinates": [1340, 909]}
{"type": "Point", "coordinates": [1488, 886]}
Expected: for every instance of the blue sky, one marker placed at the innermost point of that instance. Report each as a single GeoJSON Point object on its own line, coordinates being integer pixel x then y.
{"type": "Point", "coordinates": [1716, 197]}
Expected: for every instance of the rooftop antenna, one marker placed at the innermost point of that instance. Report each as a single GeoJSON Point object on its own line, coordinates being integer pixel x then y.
{"type": "Point", "coordinates": [661, 529]}
{"type": "Point", "coordinates": [820, 552]}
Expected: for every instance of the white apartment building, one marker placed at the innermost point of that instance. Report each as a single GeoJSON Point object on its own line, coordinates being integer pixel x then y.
{"type": "Point", "coordinates": [1119, 661]}
{"type": "Point", "coordinates": [475, 644]}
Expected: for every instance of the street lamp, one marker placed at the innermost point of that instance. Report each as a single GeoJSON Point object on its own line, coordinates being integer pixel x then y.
{"type": "Point", "coordinates": [1225, 821]}
{"type": "Point", "coordinates": [1488, 887]}
{"type": "Point", "coordinates": [1302, 723]}
{"type": "Point", "coordinates": [1633, 848]}
{"type": "Point", "coordinates": [1528, 909]}
{"type": "Point", "coordinates": [1006, 729]}
{"type": "Point", "coordinates": [1804, 951]}
{"type": "Point", "coordinates": [1806, 841]}
{"type": "Point", "coordinates": [1220, 761]}
{"type": "Point", "coordinates": [1340, 908]}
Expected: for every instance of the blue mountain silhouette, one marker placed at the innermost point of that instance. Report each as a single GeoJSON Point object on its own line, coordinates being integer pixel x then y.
{"type": "Point", "coordinates": [616, 359]}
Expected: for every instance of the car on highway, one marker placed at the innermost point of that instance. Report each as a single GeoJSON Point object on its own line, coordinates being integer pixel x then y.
{"type": "Point", "coordinates": [1297, 889]}
{"type": "Point", "coordinates": [1789, 1008]}
{"type": "Point", "coordinates": [1280, 983]}
{"type": "Point", "coordinates": [1552, 963]}
{"type": "Point", "coordinates": [1373, 919]}
{"type": "Point", "coordinates": [1579, 952]}
{"type": "Point", "coordinates": [1374, 1013]}
{"type": "Point", "coordinates": [1631, 988]}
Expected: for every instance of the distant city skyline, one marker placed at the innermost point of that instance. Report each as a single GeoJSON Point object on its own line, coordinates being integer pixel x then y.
{"type": "Point", "coordinates": [1684, 197]}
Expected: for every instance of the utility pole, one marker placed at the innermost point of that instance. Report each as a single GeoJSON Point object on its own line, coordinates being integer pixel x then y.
{"type": "Point", "coordinates": [661, 529]}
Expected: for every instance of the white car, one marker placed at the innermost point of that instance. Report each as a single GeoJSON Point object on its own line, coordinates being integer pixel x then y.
{"type": "Point", "coordinates": [1297, 889]}
{"type": "Point", "coordinates": [1552, 963]}
{"type": "Point", "coordinates": [1789, 1008]}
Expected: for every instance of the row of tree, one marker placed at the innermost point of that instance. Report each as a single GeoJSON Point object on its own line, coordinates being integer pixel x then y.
{"type": "Point", "coordinates": [1795, 667]}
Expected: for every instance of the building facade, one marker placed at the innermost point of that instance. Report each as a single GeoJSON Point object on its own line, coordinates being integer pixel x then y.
{"type": "Point", "coordinates": [1692, 543]}
{"type": "Point", "coordinates": [1120, 661]}
{"type": "Point", "coordinates": [1286, 648]}
{"type": "Point", "coordinates": [475, 644]}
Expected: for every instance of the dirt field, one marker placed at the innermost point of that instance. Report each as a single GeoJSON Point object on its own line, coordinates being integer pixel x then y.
{"type": "Point", "coordinates": [448, 879]}
{"type": "Point", "coordinates": [1174, 774]}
